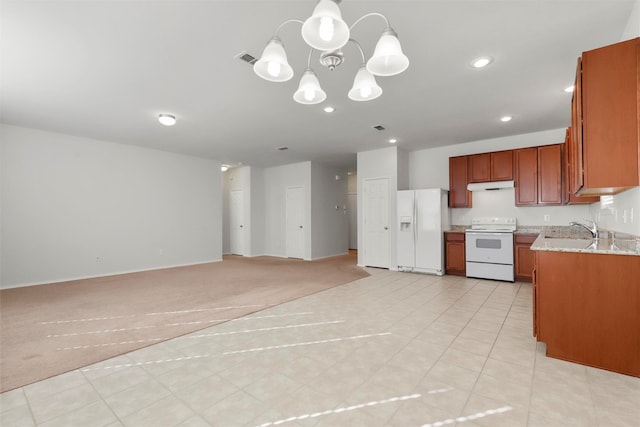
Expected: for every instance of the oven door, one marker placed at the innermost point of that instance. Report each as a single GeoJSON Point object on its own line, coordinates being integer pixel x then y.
{"type": "Point", "coordinates": [489, 247]}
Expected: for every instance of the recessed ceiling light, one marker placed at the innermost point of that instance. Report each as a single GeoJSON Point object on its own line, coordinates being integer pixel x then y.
{"type": "Point", "coordinates": [393, 141]}
{"type": "Point", "coordinates": [167, 119]}
{"type": "Point", "coordinates": [329, 109]}
{"type": "Point", "coordinates": [506, 119]}
{"type": "Point", "coordinates": [569, 89]}
{"type": "Point", "coordinates": [481, 62]}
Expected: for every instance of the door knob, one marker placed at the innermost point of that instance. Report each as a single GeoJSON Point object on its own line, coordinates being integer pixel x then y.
{"type": "Point", "coordinates": [386, 228]}
{"type": "Point", "coordinates": [300, 226]}
{"type": "Point", "coordinates": [241, 226]}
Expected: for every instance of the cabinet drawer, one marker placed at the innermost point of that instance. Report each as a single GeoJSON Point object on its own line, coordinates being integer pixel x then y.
{"type": "Point", "coordinates": [525, 238]}
{"type": "Point", "coordinates": [454, 237]}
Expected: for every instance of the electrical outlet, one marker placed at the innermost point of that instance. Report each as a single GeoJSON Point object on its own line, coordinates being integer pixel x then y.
{"type": "Point", "coordinates": [547, 218]}
{"type": "Point", "coordinates": [631, 215]}
{"type": "Point", "coordinates": [624, 216]}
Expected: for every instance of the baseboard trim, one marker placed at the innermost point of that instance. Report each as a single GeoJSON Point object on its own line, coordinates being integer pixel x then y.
{"type": "Point", "coordinates": [330, 256]}
{"type": "Point", "coordinates": [71, 279]}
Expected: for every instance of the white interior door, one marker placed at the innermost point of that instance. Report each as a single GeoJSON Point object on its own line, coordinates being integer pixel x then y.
{"type": "Point", "coordinates": [353, 220]}
{"type": "Point", "coordinates": [236, 222]}
{"type": "Point", "coordinates": [295, 238]}
{"type": "Point", "coordinates": [375, 216]}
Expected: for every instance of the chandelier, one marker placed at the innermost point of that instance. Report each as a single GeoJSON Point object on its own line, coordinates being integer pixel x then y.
{"type": "Point", "coordinates": [326, 32]}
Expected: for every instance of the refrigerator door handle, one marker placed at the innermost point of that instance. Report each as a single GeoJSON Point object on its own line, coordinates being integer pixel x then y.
{"type": "Point", "coordinates": [415, 225]}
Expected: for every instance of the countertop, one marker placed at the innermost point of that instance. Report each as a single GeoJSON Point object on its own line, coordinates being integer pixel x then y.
{"type": "Point", "coordinates": [616, 245]}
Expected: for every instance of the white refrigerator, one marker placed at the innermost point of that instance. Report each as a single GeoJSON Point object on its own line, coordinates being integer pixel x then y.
{"type": "Point", "coordinates": [423, 216]}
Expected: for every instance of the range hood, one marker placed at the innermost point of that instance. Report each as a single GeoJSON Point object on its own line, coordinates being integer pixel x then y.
{"type": "Point", "coordinates": [483, 186]}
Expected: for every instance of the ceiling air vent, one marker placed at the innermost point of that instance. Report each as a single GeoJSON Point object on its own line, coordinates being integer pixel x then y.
{"type": "Point", "coordinates": [244, 56]}
{"type": "Point", "coordinates": [378, 127]}
{"type": "Point", "coordinates": [283, 148]}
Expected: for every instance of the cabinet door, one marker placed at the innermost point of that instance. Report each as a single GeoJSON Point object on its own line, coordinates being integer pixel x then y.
{"type": "Point", "coordinates": [459, 196]}
{"type": "Point", "coordinates": [480, 167]}
{"type": "Point", "coordinates": [502, 165]}
{"type": "Point", "coordinates": [550, 175]}
{"type": "Point", "coordinates": [524, 262]}
{"type": "Point", "coordinates": [526, 176]}
{"type": "Point", "coordinates": [569, 197]}
{"type": "Point", "coordinates": [534, 297]}
{"type": "Point", "coordinates": [524, 256]}
{"type": "Point", "coordinates": [577, 167]}
{"type": "Point", "coordinates": [610, 104]}
{"type": "Point", "coordinates": [455, 260]}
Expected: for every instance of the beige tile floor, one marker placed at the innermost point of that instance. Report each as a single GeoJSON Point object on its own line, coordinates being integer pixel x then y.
{"type": "Point", "coordinates": [393, 349]}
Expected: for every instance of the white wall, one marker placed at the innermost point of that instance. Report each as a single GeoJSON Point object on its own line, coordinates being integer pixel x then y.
{"type": "Point", "coordinates": [276, 181]}
{"type": "Point", "coordinates": [430, 169]}
{"type": "Point", "coordinates": [381, 163]}
{"type": "Point", "coordinates": [352, 206]}
{"type": "Point", "coordinates": [257, 212]}
{"type": "Point", "coordinates": [619, 213]}
{"type": "Point", "coordinates": [403, 169]}
{"type": "Point", "coordinates": [632, 29]}
{"type": "Point", "coordinates": [265, 208]}
{"type": "Point", "coordinates": [74, 207]}
{"type": "Point", "coordinates": [329, 219]}
{"type": "Point", "coordinates": [502, 203]}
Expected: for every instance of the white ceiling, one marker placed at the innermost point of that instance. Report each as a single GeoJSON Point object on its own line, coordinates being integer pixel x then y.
{"type": "Point", "coordinates": [106, 69]}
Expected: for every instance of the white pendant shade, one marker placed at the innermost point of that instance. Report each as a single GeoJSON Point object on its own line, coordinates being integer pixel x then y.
{"type": "Point", "coordinates": [364, 87]}
{"type": "Point", "coordinates": [388, 59]}
{"type": "Point", "coordinates": [273, 65]}
{"type": "Point", "coordinates": [309, 91]}
{"type": "Point", "coordinates": [325, 29]}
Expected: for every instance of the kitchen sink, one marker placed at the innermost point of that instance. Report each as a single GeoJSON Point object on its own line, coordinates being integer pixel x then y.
{"type": "Point", "coordinates": [569, 242]}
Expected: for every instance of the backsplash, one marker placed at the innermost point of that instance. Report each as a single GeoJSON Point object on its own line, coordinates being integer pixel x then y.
{"type": "Point", "coordinates": [502, 203]}
{"type": "Point", "coordinates": [620, 212]}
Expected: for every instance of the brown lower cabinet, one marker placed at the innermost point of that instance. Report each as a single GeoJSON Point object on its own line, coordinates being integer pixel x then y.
{"type": "Point", "coordinates": [523, 256]}
{"type": "Point", "coordinates": [455, 260]}
{"type": "Point", "coordinates": [586, 308]}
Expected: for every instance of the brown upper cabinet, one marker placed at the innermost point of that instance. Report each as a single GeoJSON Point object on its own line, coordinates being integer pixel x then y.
{"type": "Point", "coordinates": [526, 179]}
{"type": "Point", "coordinates": [538, 175]}
{"type": "Point", "coordinates": [568, 176]}
{"type": "Point", "coordinates": [459, 196]}
{"type": "Point", "coordinates": [495, 166]}
{"type": "Point", "coordinates": [550, 174]}
{"type": "Point", "coordinates": [605, 117]}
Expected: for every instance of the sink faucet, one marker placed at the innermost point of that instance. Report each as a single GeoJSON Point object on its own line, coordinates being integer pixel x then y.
{"type": "Point", "coordinates": [593, 229]}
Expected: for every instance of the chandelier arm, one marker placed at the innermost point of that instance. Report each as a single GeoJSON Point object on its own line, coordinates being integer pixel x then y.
{"type": "Point", "coordinates": [309, 58]}
{"type": "Point", "coordinates": [366, 16]}
{"type": "Point", "coordinates": [287, 22]}
{"type": "Point", "coordinates": [359, 48]}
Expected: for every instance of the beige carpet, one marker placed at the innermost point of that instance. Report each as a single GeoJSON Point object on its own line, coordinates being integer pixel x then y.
{"type": "Point", "coordinates": [50, 329]}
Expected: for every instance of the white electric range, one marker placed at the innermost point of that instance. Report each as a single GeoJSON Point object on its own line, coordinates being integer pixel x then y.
{"type": "Point", "coordinates": [489, 248]}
